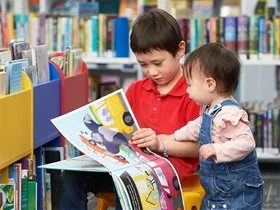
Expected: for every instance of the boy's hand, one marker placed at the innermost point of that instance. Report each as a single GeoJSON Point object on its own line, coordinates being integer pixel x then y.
{"type": "Point", "coordinates": [145, 137]}
{"type": "Point", "coordinates": [207, 151]}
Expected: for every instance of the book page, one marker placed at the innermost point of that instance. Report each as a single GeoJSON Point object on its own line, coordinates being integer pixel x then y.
{"type": "Point", "coordinates": [102, 130]}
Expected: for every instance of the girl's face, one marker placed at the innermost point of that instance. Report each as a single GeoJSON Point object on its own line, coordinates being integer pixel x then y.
{"type": "Point", "coordinates": [198, 88]}
{"type": "Point", "coordinates": [161, 66]}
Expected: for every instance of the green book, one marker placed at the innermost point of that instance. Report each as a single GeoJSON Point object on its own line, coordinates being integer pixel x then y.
{"type": "Point", "coordinates": [24, 193]}
{"type": "Point", "coordinates": [31, 196]}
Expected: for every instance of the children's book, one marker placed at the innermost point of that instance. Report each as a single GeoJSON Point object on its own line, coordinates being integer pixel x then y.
{"type": "Point", "coordinates": [7, 196]}
{"type": "Point", "coordinates": [102, 130]}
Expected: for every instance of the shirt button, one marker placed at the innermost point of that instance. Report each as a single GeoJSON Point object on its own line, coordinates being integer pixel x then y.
{"type": "Point", "coordinates": [158, 99]}
{"type": "Point", "coordinates": [154, 108]}
{"type": "Point", "coordinates": [213, 206]}
{"type": "Point", "coordinates": [225, 206]}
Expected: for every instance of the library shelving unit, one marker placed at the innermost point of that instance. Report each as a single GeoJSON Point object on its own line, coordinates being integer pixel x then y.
{"type": "Point", "coordinates": [16, 126]}
{"type": "Point", "coordinates": [258, 83]}
{"type": "Point", "coordinates": [123, 67]}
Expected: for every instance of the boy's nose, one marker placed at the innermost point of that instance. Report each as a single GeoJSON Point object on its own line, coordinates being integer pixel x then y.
{"type": "Point", "coordinates": [152, 72]}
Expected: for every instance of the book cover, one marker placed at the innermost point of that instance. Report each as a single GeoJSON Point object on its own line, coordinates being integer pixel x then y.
{"type": "Point", "coordinates": [7, 194]}
{"type": "Point", "coordinates": [42, 65]}
{"type": "Point", "coordinates": [5, 56]}
{"type": "Point", "coordinates": [14, 171]}
{"type": "Point", "coordinates": [14, 77]}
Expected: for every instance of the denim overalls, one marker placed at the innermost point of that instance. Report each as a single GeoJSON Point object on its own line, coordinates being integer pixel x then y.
{"type": "Point", "coordinates": [235, 185]}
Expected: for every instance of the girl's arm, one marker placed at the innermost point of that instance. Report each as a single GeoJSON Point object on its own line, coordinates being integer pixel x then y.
{"type": "Point", "coordinates": [146, 137]}
{"type": "Point", "coordinates": [182, 149]}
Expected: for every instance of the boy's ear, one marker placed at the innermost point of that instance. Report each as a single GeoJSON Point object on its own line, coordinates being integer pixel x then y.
{"type": "Point", "coordinates": [211, 84]}
{"type": "Point", "coordinates": [181, 50]}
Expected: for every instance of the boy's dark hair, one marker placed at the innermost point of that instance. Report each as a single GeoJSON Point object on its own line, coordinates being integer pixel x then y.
{"type": "Point", "coordinates": [218, 62]}
{"type": "Point", "coordinates": [155, 29]}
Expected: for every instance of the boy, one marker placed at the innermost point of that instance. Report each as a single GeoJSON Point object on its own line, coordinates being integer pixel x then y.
{"type": "Point", "coordinates": [159, 101]}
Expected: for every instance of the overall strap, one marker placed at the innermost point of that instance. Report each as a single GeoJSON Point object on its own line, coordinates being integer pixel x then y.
{"type": "Point", "coordinates": [218, 107]}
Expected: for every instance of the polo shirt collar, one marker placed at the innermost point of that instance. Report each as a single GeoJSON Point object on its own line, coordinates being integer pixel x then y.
{"type": "Point", "coordinates": [178, 90]}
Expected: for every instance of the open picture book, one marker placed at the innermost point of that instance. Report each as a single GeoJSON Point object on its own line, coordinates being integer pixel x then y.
{"type": "Point", "coordinates": [102, 130]}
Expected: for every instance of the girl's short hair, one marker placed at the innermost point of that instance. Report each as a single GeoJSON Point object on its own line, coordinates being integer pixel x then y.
{"type": "Point", "coordinates": [155, 29]}
{"type": "Point", "coordinates": [216, 61]}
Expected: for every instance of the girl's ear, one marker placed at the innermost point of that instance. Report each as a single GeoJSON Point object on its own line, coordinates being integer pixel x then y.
{"type": "Point", "coordinates": [211, 84]}
{"type": "Point", "coordinates": [181, 50]}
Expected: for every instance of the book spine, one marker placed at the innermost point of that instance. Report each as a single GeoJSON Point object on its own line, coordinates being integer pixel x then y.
{"type": "Point", "coordinates": [220, 30]}
{"type": "Point", "coordinates": [213, 29]}
{"type": "Point", "coordinates": [122, 37]}
{"type": "Point", "coordinates": [230, 33]}
{"type": "Point", "coordinates": [193, 39]}
{"type": "Point", "coordinates": [262, 36]}
{"type": "Point", "coordinates": [242, 35]}
{"type": "Point", "coordinates": [277, 37]}
{"type": "Point", "coordinates": [95, 34]}
{"type": "Point", "coordinates": [253, 36]}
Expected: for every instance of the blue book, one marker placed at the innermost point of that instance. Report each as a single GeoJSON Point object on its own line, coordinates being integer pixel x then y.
{"type": "Point", "coordinates": [122, 37]}
{"type": "Point", "coordinates": [95, 34]}
{"type": "Point", "coordinates": [14, 77]}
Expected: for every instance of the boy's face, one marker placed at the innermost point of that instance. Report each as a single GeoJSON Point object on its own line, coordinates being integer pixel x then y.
{"type": "Point", "coordinates": [159, 65]}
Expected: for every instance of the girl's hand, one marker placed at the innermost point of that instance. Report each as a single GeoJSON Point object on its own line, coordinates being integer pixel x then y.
{"type": "Point", "coordinates": [145, 137]}
{"type": "Point", "coordinates": [207, 151]}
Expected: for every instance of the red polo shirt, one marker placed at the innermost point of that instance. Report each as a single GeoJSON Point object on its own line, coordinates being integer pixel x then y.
{"type": "Point", "coordinates": [164, 113]}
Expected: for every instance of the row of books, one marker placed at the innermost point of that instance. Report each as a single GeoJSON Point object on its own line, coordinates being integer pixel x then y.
{"type": "Point", "coordinates": [265, 125]}
{"type": "Point", "coordinates": [21, 190]}
{"type": "Point", "coordinates": [69, 61]}
{"type": "Point", "coordinates": [20, 56]}
{"type": "Point", "coordinates": [100, 34]}
{"type": "Point", "coordinates": [249, 36]}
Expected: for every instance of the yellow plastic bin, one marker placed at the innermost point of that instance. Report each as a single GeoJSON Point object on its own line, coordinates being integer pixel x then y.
{"type": "Point", "coordinates": [16, 124]}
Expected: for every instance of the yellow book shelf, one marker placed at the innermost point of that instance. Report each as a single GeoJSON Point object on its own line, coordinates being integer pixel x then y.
{"type": "Point", "coordinates": [16, 125]}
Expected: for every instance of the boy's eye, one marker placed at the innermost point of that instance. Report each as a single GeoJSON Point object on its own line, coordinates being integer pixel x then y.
{"type": "Point", "coordinates": [158, 64]}
{"type": "Point", "coordinates": [143, 64]}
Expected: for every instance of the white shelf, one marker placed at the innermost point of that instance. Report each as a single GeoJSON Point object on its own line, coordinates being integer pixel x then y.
{"type": "Point", "coordinates": [264, 60]}
{"type": "Point", "coordinates": [128, 65]}
{"type": "Point", "coordinates": [269, 156]}
{"type": "Point", "coordinates": [109, 60]}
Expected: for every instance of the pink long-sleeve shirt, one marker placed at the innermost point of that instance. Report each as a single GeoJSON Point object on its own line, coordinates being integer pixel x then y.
{"type": "Point", "coordinates": [231, 134]}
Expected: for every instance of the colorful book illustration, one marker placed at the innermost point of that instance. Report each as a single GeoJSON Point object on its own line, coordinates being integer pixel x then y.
{"type": "Point", "coordinates": [101, 130]}
{"type": "Point", "coordinates": [7, 196]}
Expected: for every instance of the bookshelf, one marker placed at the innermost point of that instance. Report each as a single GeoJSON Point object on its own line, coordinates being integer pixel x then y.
{"type": "Point", "coordinates": [258, 86]}
{"type": "Point", "coordinates": [124, 65]}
